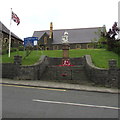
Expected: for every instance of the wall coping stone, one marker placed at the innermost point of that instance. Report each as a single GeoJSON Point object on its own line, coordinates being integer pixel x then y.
{"type": "Point", "coordinates": [41, 59]}
{"type": "Point", "coordinates": [89, 62]}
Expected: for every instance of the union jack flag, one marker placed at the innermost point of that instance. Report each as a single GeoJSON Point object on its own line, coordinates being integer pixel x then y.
{"type": "Point", "coordinates": [15, 18]}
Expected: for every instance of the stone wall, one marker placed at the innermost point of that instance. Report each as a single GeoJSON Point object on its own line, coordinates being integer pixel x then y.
{"type": "Point", "coordinates": [105, 77]}
{"type": "Point", "coordinates": [9, 70]}
{"type": "Point", "coordinates": [47, 69]}
{"type": "Point", "coordinates": [17, 71]}
{"type": "Point", "coordinates": [33, 72]}
{"type": "Point", "coordinates": [70, 74]}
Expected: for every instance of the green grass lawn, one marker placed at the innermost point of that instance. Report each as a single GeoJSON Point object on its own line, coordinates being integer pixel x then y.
{"type": "Point", "coordinates": [100, 57]}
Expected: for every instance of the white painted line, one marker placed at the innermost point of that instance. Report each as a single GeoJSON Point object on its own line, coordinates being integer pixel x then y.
{"type": "Point", "coordinates": [76, 104]}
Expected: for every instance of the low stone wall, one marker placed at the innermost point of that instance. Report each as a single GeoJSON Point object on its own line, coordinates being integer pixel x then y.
{"type": "Point", "coordinates": [47, 68]}
{"type": "Point", "coordinates": [31, 72]}
{"type": "Point", "coordinates": [105, 77]}
{"type": "Point", "coordinates": [9, 70]}
{"type": "Point", "coordinates": [72, 74]}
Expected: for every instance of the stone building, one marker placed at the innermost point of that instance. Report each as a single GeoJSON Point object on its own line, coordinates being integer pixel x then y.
{"type": "Point", "coordinates": [79, 38]}
{"type": "Point", "coordinates": [4, 37]}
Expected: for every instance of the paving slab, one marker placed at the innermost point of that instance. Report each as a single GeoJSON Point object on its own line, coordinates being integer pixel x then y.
{"type": "Point", "coordinates": [39, 83]}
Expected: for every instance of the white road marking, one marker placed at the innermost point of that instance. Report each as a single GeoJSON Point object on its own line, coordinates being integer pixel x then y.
{"type": "Point", "coordinates": [76, 104]}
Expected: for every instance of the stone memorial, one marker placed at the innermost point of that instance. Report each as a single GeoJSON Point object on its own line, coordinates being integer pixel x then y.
{"type": "Point", "coordinates": [65, 48]}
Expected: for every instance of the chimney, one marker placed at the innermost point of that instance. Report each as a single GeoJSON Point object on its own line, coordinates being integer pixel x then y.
{"type": "Point", "coordinates": [51, 30]}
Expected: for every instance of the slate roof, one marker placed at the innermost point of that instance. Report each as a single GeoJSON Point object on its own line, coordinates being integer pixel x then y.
{"type": "Point", "coordinates": [4, 29]}
{"type": "Point", "coordinates": [78, 35]}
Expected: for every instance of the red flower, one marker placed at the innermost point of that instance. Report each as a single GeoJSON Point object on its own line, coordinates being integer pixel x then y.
{"type": "Point", "coordinates": [64, 74]}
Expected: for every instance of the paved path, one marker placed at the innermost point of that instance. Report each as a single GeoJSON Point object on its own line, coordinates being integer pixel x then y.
{"type": "Point", "coordinates": [59, 85]}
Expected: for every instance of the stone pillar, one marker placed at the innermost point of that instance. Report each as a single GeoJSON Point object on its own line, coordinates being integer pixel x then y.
{"type": "Point", "coordinates": [65, 48]}
{"type": "Point", "coordinates": [65, 59]}
{"type": "Point", "coordinates": [112, 64]}
{"type": "Point", "coordinates": [112, 74]}
{"type": "Point", "coordinates": [18, 60]}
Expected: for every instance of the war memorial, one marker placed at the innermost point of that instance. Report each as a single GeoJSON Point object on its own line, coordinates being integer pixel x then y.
{"type": "Point", "coordinates": [65, 69]}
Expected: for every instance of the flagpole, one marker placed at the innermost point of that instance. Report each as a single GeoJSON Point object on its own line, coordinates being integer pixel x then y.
{"type": "Point", "coordinates": [10, 34]}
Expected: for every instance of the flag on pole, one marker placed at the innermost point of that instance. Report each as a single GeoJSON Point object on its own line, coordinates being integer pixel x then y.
{"type": "Point", "coordinates": [15, 18]}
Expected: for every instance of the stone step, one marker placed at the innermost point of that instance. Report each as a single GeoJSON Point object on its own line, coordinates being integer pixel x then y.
{"type": "Point", "coordinates": [71, 73]}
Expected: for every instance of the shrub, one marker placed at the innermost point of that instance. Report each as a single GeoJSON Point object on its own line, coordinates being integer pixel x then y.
{"type": "Point", "coordinates": [116, 49]}
{"type": "Point", "coordinates": [4, 51]}
{"type": "Point", "coordinates": [21, 48]}
{"type": "Point", "coordinates": [13, 49]}
{"type": "Point", "coordinates": [28, 50]}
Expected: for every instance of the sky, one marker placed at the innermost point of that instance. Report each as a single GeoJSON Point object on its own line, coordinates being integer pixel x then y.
{"type": "Point", "coordinates": [36, 15]}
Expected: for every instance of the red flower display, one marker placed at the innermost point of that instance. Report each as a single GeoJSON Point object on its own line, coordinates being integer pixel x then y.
{"type": "Point", "coordinates": [64, 74]}
{"type": "Point", "coordinates": [66, 63]}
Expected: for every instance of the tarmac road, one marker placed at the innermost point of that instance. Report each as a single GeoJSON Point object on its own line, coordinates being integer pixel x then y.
{"type": "Point", "coordinates": [34, 102]}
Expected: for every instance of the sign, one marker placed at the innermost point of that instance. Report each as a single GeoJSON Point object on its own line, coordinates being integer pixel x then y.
{"type": "Point", "coordinates": [35, 42]}
{"type": "Point", "coordinates": [30, 41]}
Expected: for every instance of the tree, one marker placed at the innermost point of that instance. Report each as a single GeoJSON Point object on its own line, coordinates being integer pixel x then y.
{"type": "Point", "coordinates": [110, 36]}
{"type": "Point", "coordinates": [101, 42]}
{"type": "Point", "coordinates": [28, 50]}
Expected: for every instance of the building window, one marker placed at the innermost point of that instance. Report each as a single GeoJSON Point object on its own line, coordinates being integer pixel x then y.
{"type": "Point", "coordinates": [55, 47]}
{"type": "Point", "coordinates": [45, 40]}
{"type": "Point", "coordinates": [78, 46]}
{"type": "Point", "coordinates": [90, 46]}
{"type": "Point", "coordinates": [46, 48]}
{"type": "Point", "coordinates": [5, 40]}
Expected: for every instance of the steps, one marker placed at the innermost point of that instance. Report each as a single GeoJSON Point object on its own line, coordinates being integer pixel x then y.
{"type": "Point", "coordinates": [65, 73]}
{"type": "Point", "coordinates": [69, 74]}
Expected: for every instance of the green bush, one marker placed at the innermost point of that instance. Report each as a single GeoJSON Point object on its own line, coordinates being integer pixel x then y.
{"type": "Point", "coordinates": [28, 50]}
{"type": "Point", "coordinates": [4, 51]}
{"type": "Point", "coordinates": [21, 48]}
{"type": "Point", "coordinates": [13, 49]}
{"type": "Point", "coordinates": [116, 50]}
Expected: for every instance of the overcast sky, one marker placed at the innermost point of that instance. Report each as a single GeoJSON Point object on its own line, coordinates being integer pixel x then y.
{"type": "Point", "coordinates": [36, 15]}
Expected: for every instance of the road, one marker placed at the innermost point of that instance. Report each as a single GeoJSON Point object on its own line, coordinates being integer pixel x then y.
{"type": "Point", "coordinates": [32, 102]}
